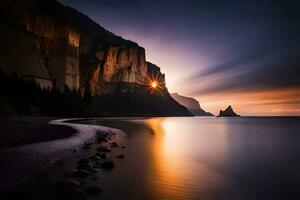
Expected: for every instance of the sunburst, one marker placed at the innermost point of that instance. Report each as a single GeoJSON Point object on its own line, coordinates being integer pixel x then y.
{"type": "Point", "coordinates": [154, 85]}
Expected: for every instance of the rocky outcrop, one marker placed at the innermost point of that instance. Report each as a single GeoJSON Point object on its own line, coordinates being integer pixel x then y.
{"type": "Point", "coordinates": [191, 104]}
{"type": "Point", "coordinates": [115, 64]}
{"type": "Point", "coordinates": [228, 113]}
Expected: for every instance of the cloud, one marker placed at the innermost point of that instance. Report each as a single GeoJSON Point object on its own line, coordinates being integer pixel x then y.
{"type": "Point", "coordinates": [283, 73]}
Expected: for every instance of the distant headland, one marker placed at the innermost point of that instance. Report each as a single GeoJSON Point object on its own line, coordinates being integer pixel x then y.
{"type": "Point", "coordinates": [192, 104]}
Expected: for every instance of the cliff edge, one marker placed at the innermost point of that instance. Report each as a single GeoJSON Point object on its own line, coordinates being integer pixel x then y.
{"type": "Point", "coordinates": [191, 104]}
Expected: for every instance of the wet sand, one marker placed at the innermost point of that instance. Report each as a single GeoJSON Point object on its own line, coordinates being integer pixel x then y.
{"type": "Point", "coordinates": [21, 131]}
{"type": "Point", "coordinates": [33, 170]}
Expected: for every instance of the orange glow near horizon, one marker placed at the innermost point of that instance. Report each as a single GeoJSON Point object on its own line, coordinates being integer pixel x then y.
{"type": "Point", "coordinates": [264, 102]}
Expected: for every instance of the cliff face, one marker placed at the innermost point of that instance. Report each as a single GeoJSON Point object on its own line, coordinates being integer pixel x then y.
{"type": "Point", "coordinates": [191, 104]}
{"type": "Point", "coordinates": [57, 45]}
{"type": "Point", "coordinates": [112, 65]}
{"type": "Point", "coordinates": [155, 74]}
{"type": "Point", "coordinates": [38, 44]}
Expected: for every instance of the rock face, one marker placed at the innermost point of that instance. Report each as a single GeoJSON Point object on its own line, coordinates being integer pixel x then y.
{"type": "Point", "coordinates": [191, 104]}
{"type": "Point", "coordinates": [39, 43]}
{"type": "Point", "coordinates": [58, 46]}
{"type": "Point", "coordinates": [228, 113]}
{"type": "Point", "coordinates": [155, 74]}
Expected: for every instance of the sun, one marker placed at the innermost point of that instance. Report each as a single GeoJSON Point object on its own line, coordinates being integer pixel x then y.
{"type": "Point", "coordinates": [154, 84]}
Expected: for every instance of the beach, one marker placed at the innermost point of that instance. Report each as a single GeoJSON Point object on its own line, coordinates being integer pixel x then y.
{"type": "Point", "coordinates": [50, 150]}
{"type": "Point", "coordinates": [22, 131]}
{"type": "Point", "coordinates": [159, 158]}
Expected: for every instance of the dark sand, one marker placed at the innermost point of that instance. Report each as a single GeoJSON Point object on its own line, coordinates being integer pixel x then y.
{"type": "Point", "coordinates": [21, 131]}
{"type": "Point", "coordinates": [34, 164]}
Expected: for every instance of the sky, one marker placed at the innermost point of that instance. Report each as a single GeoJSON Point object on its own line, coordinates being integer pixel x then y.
{"type": "Point", "coordinates": [240, 53]}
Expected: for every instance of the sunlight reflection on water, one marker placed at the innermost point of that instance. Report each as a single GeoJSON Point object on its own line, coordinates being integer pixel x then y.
{"type": "Point", "coordinates": [179, 174]}
{"type": "Point", "coordinates": [206, 158]}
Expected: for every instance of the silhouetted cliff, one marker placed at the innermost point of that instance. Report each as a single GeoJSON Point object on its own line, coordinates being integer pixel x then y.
{"type": "Point", "coordinates": [57, 46]}
{"type": "Point", "coordinates": [191, 104]}
{"type": "Point", "coordinates": [66, 47]}
{"type": "Point", "coordinates": [136, 103]}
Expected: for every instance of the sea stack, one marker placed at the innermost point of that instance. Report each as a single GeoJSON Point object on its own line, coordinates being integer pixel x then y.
{"type": "Point", "coordinates": [228, 113]}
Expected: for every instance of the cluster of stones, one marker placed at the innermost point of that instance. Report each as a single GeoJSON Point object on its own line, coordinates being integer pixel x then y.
{"type": "Point", "coordinates": [71, 187]}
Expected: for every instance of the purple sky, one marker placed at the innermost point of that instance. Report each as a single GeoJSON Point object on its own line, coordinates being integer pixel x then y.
{"type": "Point", "coordinates": [220, 52]}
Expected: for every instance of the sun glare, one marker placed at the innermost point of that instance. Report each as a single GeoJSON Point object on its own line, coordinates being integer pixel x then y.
{"type": "Point", "coordinates": [154, 84]}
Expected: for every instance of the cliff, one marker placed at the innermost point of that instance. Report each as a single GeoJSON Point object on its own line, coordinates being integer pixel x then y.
{"type": "Point", "coordinates": [61, 45]}
{"type": "Point", "coordinates": [140, 104]}
{"type": "Point", "coordinates": [191, 104]}
{"type": "Point", "coordinates": [40, 42]}
{"type": "Point", "coordinates": [58, 46]}
{"type": "Point", "coordinates": [228, 112]}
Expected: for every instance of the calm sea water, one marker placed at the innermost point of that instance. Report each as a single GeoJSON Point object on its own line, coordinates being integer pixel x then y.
{"type": "Point", "coordinates": [205, 158]}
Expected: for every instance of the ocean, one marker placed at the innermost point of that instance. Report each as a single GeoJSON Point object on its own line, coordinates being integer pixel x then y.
{"type": "Point", "coordinates": [174, 158]}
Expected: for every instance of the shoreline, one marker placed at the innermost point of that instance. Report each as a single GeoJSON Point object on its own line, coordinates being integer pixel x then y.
{"type": "Point", "coordinates": [20, 131]}
{"type": "Point", "coordinates": [146, 163]}
{"type": "Point", "coordinates": [25, 163]}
